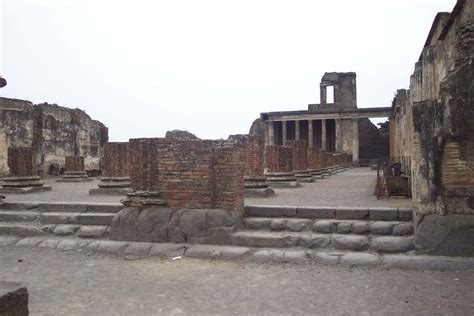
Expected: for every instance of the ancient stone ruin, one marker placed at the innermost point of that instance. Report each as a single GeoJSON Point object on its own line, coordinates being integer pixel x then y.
{"type": "Point", "coordinates": [23, 177]}
{"type": "Point", "coordinates": [74, 170]}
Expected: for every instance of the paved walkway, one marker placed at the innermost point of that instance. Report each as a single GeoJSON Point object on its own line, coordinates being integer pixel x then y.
{"type": "Point", "coordinates": [350, 188]}
{"type": "Point", "coordinates": [354, 187]}
{"type": "Point", "coordinates": [71, 283]}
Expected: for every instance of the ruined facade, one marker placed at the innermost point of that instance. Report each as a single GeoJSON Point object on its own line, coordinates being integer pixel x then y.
{"type": "Point", "coordinates": [53, 131]}
{"type": "Point", "coordinates": [333, 127]}
{"type": "Point", "coordinates": [432, 123]}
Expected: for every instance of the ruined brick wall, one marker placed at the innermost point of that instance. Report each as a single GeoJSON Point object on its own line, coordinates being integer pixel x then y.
{"type": "Point", "coordinates": [74, 164]}
{"type": "Point", "coordinates": [299, 150]}
{"type": "Point", "coordinates": [22, 162]}
{"type": "Point", "coordinates": [253, 153]}
{"type": "Point", "coordinates": [188, 173]}
{"type": "Point", "coordinates": [279, 158]}
{"type": "Point", "coordinates": [53, 131]}
{"type": "Point", "coordinates": [314, 158]}
{"type": "Point", "coordinates": [115, 162]}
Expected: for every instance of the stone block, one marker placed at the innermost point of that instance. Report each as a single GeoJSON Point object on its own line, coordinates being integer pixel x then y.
{"type": "Point", "coordinates": [55, 218]}
{"type": "Point", "coordinates": [326, 258]}
{"type": "Point", "coordinates": [298, 224]}
{"type": "Point", "coordinates": [8, 240]}
{"type": "Point", "coordinates": [296, 257]}
{"type": "Point", "coordinates": [49, 243]}
{"type": "Point", "coordinates": [403, 229]}
{"type": "Point", "coordinates": [381, 228]}
{"type": "Point", "coordinates": [167, 251]}
{"type": "Point", "coordinates": [391, 244]}
{"type": "Point", "coordinates": [138, 249]}
{"type": "Point", "coordinates": [268, 255]}
{"type": "Point", "coordinates": [217, 252]}
{"type": "Point", "coordinates": [65, 230]}
{"type": "Point", "coordinates": [350, 242]}
{"type": "Point", "coordinates": [316, 212]}
{"type": "Point", "coordinates": [360, 227]}
{"type": "Point", "coordinates": [94, 219]}
{"type": "Point", "coordinates": [423, 262]}
{"type": "Point", "coordinates": [405, 214]}
{"type": "Point", "coordinates": [325, 227]}
{"type": "Point", "coordinates": [20, 230]}
{"type": "Point", "coordinates": [352, 213]}
{"type": "Point", "coordinates": [29, 242]}
{"type": "Point", "coordinates": [383, 214]}
{"type": "Point", "coordinates": [314, 241]}
{"type": "Point", "coordinates": [95, 231]}
{"type": "Point", "coordinates": [344, 228]}
{"type": "Point", "coordinates": [271, 211]}
{"type": "Point", "coordinates": [278, 224]}
{"type": "Point", "coordinates": [109, 247]}
{"type": "Point", "coordinates": [361, 259]}
{"type": "Point", "coordinates": [62, 207]}
{"type": "Point", "coordinates": [257, 223]}
{"type": "Point", "coordinates": [68, 244]}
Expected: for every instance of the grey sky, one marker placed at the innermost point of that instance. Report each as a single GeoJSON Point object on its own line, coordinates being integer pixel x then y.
{"type": "Point", "coordinates": [210, 67]}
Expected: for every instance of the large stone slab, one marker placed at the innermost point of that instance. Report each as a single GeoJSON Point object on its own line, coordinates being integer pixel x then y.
{"type": "Point", "coordinates": [271, 211]}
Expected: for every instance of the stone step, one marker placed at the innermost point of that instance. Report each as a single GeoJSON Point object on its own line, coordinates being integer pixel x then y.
{"type": "Point", "coordinates": [389, 244]}
{"type": "Point", "coordinates": [77, 218]}
{"type": "Point", "coordinates": [328, 226]}
{"type": "Point", "coordinates": [29, 229]}
{"type": "Point", "coordinates": [351, 213]}
{"type": "Point", "coordinates": [75, 207]}
{"type": "Point", "coordinates": [18, 216]}
{"type": "Point", "coordinates": [20, 229]}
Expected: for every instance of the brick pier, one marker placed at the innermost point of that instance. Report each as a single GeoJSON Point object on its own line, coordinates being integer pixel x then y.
{"type": "Point", "coordinates": [74, 170]}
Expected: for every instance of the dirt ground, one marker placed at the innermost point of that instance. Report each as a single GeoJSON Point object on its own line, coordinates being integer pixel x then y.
{"type": "Point", "coordinates": [67, 283]}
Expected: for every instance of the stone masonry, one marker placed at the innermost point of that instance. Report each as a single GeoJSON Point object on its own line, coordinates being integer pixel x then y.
{"type": "Point", "coordinates": [23, 176]}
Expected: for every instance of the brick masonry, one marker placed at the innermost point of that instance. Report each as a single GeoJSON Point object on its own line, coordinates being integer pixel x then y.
{"type": "Point", "coordinates": [299, 151]}
{"type": "Point", "coordinates": [115, 162]}
{"type": "Point", "coordinates": [253, 150]}
{"type": "Point", "coordinates": [188, 173]}
{"type": "Point", "coordinates": [22, 162]}
{"type": "Point", "coordinates": [279, 159]}
{"type": "Point", "coordinates": [74, 164]}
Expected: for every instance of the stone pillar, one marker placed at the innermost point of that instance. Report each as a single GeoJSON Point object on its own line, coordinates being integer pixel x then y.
{"type": "Point", "coordinates": [271, 134]}
{"type": "Point", "coordinates": [115, 179]}
{"type": "Point", "coordinates": [23, 176]}
{"type": "Point", "coordinates": [355, 141]}
{"type": "Point", "coordinates": [74, 170]}
{"type": "Point", "coordinates": [323, 94]}
{"type": "Point", "coordinates": [284, 132]}
{"type": "Point", "coordinates": [297, 130]}
{"type": "Point", "coordinates": [338, 136]}
{"type": "Point", "coordinates": [310, 134]}
{"type": "Point", "coordinates": [323, 134]}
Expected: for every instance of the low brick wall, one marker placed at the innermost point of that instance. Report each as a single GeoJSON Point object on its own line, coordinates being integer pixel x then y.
{"type": "Point", "coordinates": [279, 159]}
{"type": "Point", "coordinates": [299, 151]}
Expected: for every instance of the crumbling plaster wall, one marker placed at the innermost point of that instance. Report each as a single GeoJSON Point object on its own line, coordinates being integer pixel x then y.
{"type": "Point", "coordinates": [53, 131]}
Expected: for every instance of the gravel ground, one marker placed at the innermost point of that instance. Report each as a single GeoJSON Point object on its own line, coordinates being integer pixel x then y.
{"type": "Point", "coordinates": [66, 283]}
{"type": "Point", "coordinates": [351, 188]}
{"type": "Point", "coordinates": [354, 187]}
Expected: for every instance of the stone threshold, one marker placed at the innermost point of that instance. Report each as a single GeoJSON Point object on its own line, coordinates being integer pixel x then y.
{"type": "Point", "coordinates": [171, 251]}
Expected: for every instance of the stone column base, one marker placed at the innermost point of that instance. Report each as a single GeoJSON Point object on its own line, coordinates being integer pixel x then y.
{"type": "Point", "coordinates": [316, 174]}
{"type": "Point", "coordinates": [282, 180]}
{"type": "Point", "coordinates": [112, 186]}
{"type": "Point", "coordinates": [74, 176]}
{"type": "Point", "coordinates": [21, 185]}
{"type": "Point", "coordinates": [304, 176]}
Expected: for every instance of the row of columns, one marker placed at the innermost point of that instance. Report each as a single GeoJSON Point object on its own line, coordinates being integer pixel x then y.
{"type": "Point", "coordinates": [338, 135]}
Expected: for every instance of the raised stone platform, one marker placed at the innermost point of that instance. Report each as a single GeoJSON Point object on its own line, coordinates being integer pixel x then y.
{"type": "Point", "coordinates": [13, 190]}
{"type": "Point", "coordinates": [282, 180]}
{"type": "Point", "coordinates": [110, 191]}
{"type": "Point", "coordinates": [257, 186]}
{"type": "Point", "coordinates": [74, 176]}
{"type": "Point", "coordinates": [22, 184]}
{"type": "Point", "coordinates": [13, 299]}
{"type": "Point", "coordinates": [259, 192]}
{"type": "Point", "coordinates": [112, 186]}
{"type": "Point", "coordinates": [304, 176]}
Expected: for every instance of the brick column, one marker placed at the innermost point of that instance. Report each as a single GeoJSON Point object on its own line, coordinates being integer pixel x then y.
{"type": "Point", "coordinates": [23, 176]}
{"type": "Point", "coordinates": [284, 132]}
{"type": "Point", "coordinates": [338, 135]}
{"type": "Point", "coordinates": [310, 134]}
{"type": "Point", "coordinates": [115, 178]}
{"type": "Point", "coordinates": [74, 170]}
{"type": "Point", "coordinates": [297, 130]}
{"type": "Point", "coordinates": [271, 134]}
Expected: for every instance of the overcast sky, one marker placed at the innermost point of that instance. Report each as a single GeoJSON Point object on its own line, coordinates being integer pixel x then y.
{"type": "Point", "coordinates": [210, 67]}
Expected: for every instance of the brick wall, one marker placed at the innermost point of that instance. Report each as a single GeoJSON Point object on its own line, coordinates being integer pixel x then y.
{"type": "Point", "coordinates": [314, 159]}
{"type": "Point", "coordinates": [22, 162]}
{"type": "Point", "coordinates": [188, 173]}
{"type": "Point", "coordinates": [115, 162]}
{"type": "Point", "coordinates": [74, 164]}
{"type": "Point", "coordinates": [253, 153]}
{"type": "Point", "coordinates": [299, 150]}
{"type": "Point", "coordinates": [279, 158]}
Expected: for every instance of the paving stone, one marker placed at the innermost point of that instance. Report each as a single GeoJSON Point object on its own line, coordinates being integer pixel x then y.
{"type": "Point", "coordinates": [421, 262]}
{"type": "Point", "coordinates": [68, 244]}
{"type": "Point", "coordinates": [383, 214]}
{"type": "Point", "coordinates": [92, 231]}
{"type": "Point", "coordinates": [8, 240]}
{"type": "Point", "coordinates": [138, 249]}
{"type": "Point", "coordinates": [324, 227]}
{"type": "Point", "coordinates": [350, 242]}
{"type": "Point", "coordinates": [313, 241]}
{"type": "Point", "coordinates": [257, 223]}
{"type": "Point", "coordinates": [296, 256]}
{"type": "Point", "coordinates": [298, 224]}
{"type": "Point", "coordinates": [344, 228]}
{"type": "Point", "coordinates": [217, 252]}
{"type": "Point", "coordinates": [360, 227]}
{"type": "Point", "coordinates": [270, 211]}
{"type": "Point", "coordinates": [403, 229]}
{"type": "Point", "coordinates": [278, 224]}
{"type": "Point", "coordinates": [29, 241]}
{"type": "Point", "coordinates": [352, 213]}
{"type": "Point", "coordinates": [326, 258]}
{"type": "Point", "coordinates": [168, 250]}
{"type": "Point", "coordinates": [65, 230]}
{"type": "Point", "coordinates": [49, 243]}
{"type": "Point", "coordinates": [391, 244]}
{"type": "Point", "coordinates": [360, 259]}
{"type": "Point", "coordinates": [316, 212]}
{"type": "Point", "coordinates": [381, 228]}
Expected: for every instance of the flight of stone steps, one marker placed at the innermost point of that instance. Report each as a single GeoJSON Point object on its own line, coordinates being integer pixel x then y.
{"type": "Point", "coordinates": [382, 230]}
{"type": "Point", "coordinates": [60, 219]}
